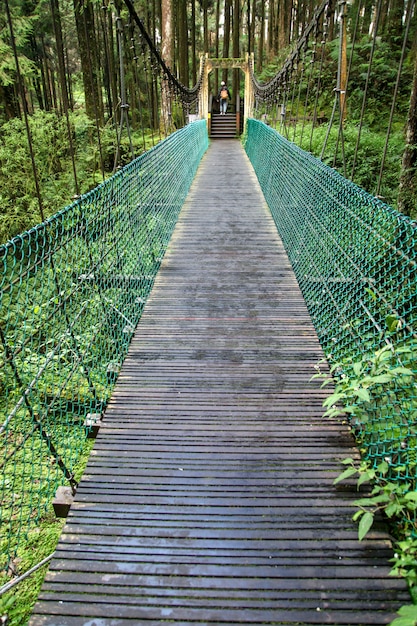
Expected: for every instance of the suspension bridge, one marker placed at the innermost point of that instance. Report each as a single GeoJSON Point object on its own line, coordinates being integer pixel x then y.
{"type": "Point", "coordinates": [177, 313]}
{"type": "Point", "coordinates": [209, 495]}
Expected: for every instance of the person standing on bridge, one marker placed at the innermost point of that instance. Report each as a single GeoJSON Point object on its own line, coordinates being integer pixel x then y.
{"type": "Point", "coordinates": [224, 95]}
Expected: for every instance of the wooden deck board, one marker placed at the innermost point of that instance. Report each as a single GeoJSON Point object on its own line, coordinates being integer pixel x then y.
{"type": "Point", "coordinates": [209, 496]}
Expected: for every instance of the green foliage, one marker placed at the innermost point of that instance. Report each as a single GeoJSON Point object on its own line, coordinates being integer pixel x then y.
{"type": "Point", "coordinates": [367, 163]}
{"type": "Point", "coordinates": [22, 28]}
{"type": "Point", "coordinates": [384, 378]}
{"type": "Point", "coordinates": [19, 207]}
{"type": "Point", "coordinates": [18, 603]}
{"type": "Point", "coordinates": [408, 616]}
{"type": "Point", "coordinates": [392, 497]}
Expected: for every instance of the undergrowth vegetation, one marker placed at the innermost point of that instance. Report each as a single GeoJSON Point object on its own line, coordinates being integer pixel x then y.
{"type": "Point", "coordinates": [376, 394]}
{"type": "Point", "coordinates": [19, 206]}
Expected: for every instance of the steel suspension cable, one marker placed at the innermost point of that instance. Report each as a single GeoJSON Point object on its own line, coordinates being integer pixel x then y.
{"type": "Point", "coordinates": [124, 117]}
{"type": "Point", "coordinates": [341, 120]}
{"type": "Point", "coordinates": [186, 94]}
{"type": "Point", "coordinates": [323, 47]}
{"type": "Point", "coordinates": [365, 95]}
{"type": "Point", "coordinates": [90, 72]}
{"type": "Point", "coordinates": [56, 23]}
{"type": "Point", "coordinates": [409, 14]}
{"type": "Point", "coordinates": [265, 91]}
{"type": "Point", "coordinates": [309, 79]}
{"type": "Point", "coordinates": [140, 109]}
{"type": "Point", "coordinates": [25, 111]}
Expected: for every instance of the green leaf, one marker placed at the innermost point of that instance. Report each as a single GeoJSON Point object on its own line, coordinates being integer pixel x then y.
{"type": "Point", "coordinates": [393, 323]}
{"type": "Point", "coordinates": [392, 509]}
{"type": "Point", "coordinates": [350, 471]}
{"type": "Point", "coordinates": [411, 495]}
{"type": "Point", "coordinates": [363, 478]}
{"type": "Point", "coordinates": [357, 368]}
{"type": "Point", "coordinates": [408, 616]}
{"type": "Point", "coordinates": [402, 621]}
{"type": "Point", "coordinates": [365, 524]}
{"type": "Point", "coordinates": [333, 399]}
{"type": "Point", "coordinates": [403, 370]}
{"type": "Point", "coordinates": [363, 394]}
{"type": "Point", "coordinates": [382, 378]}
{"type": "Point", "coordinates": [383, 467]}
{"type": "Point", "coordinates": [371, 293]}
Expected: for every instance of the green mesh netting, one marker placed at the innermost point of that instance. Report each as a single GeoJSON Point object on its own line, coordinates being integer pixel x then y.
{"type": "Point", "coordinates": [72, 292]}
{"type": "Point", "coordinates": [355, 259]}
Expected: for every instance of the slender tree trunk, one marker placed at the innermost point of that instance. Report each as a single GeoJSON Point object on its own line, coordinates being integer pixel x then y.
{"type": "Point", "coordinates": [226, 38]}
{"type": "Point", "coordinates": [205, 25]}
{"type": "Point", "coordinates": [281, 34]}
{"type": "Point", "coordinates": [107, 55]}
{"type": "Point", "coordinates": [36, 82]}
{"type": "Point", "coordinates": [331, 21]}
{"type": "Point", "coordinates": [69, 81]}
{"type": "Point", "coordinates": [216, 72]}
{"type": "Point", "coordinates": [84, 18]}
{"type": "Point", "coordinates": [8, 102]}
{"type": "Point", "coordinates": [407, 194]}
{"type": "Point", "coordinates": [167, 31]}
{"type": "Point", "coordinates": [249, 27]}
{"type": "Point", "coordinates": [271, 28]}
{"type": "Point", "coordinates": [182, 42]}
{"type": "Point", "coordinates": [56, 19]}
{"type": "Point", "coordinates": [261, 40]}
{"type": "Point", "coordinates": [193, 44]}
{"type": "Point", "coordinates": [47, 90]}
{"type": "Point", "coordinates": [236, 46]}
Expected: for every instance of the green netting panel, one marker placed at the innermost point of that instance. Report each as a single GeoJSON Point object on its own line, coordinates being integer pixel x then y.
{"type": "Point", "coordinates": [355, 261]}
{"type": "Point", "coordinates": [72, 292]}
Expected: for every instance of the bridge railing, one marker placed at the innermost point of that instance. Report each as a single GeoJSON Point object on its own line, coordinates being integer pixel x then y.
{"type": "Point", "coordinates": [355, 259]}
{"type": "Point", "coordinates": [72, 292]}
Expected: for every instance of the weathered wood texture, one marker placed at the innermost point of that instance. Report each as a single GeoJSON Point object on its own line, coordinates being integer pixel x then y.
{"type": "Point", "coordinates": [208, 497]}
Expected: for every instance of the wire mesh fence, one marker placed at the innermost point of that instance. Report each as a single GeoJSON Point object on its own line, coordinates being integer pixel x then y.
{"type": "Point", "coordinates": [72, 292]}
{"type": "Point", "coordinates": [355, 259]}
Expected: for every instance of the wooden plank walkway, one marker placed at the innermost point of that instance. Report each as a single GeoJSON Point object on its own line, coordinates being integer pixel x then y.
{"type": "Point", "coordinates": [208, 497]}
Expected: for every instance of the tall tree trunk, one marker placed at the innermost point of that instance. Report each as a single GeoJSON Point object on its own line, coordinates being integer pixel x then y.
{"type": "Point", "coordinates": [182, 41]}
{"type": "Point", "coordinates": [205, 26]}
{"type": "Point", "coordinates": [9, 104]}
{"type": "Point", "coordinates": [271, 28]}
{"type": "Point", "coordinates": [36, 82]}
{"type": "Point", "coordinates": [261, 40]}
{"type": "Point", "coordinates": [167, 43]}
{"type": "Point", "coordinates": [56, 19]}
{"type": "Point", "coordinates": [84, 18]}
{"type": "Point", "coordinates": [217, 43]}
{"type": "Point", "coordinates": [407, 194]}
{"type": "Point", "coordinates": [226, 37]}
{"type": "Point", "coordinates": [249, 27]}
{"type": "Point", "coordinates": [331, 21]}
{"type": "Point", "coordinates": [281, 34]}
{"type": "Point", "coordinates": [107, 56]}
{"type": "Point", "coordinates": [193, 44]}
{"type": "Point", "coordinates": [236, 46]}
{"type": "Point", "coordinates": [47, 89]}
